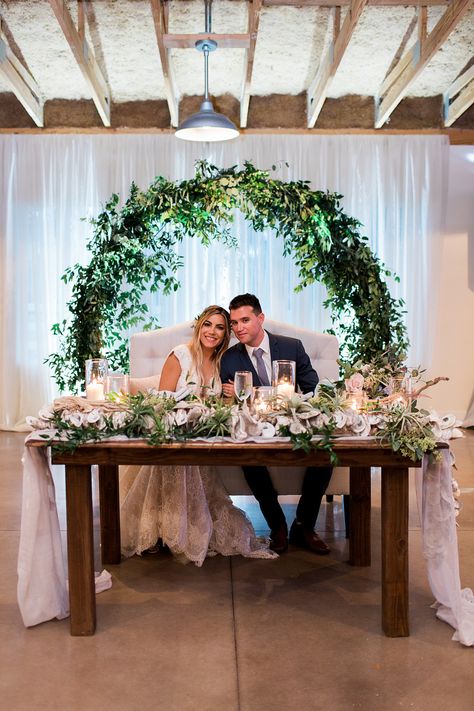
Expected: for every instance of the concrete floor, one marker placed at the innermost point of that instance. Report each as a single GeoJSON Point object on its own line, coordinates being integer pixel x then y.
{"type": "Point", "coordinates": [238, 634]}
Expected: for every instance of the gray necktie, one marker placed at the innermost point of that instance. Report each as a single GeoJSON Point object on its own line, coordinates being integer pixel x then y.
{"type": "Point", "coordinates": [261, 370]}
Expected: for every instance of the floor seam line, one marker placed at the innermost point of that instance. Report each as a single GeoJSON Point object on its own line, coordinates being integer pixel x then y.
{"type": "Point", "coordinates": [236, 652]}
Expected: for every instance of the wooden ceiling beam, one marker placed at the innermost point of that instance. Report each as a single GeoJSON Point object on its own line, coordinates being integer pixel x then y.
{"type": "Point", "coordinates": [319, 87]}
{"type": "Point", "coordinates": [463, 89]}
{"type": "Point", "coordinates": [20, 80]}
{"type": "Point", "coordinates": [344, 3]}
{"type": "Point", "coordinates": [84, 57]}
{"type": "Point", "coordinates": [396, 85]}
{"type": "Point", "coordinates": [254, 9]}
{"type": "Point", "coordinates": [188, 41]}
{"type": "Point", "coordinates": [159, 10]}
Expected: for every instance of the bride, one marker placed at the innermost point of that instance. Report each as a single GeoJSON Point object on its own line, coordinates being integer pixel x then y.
{"type": "Point", "coordinates": [187, 507]}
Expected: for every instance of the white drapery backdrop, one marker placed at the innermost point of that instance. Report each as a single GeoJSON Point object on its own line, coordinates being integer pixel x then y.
{"type": "Point", "coordinates": [395, 185]}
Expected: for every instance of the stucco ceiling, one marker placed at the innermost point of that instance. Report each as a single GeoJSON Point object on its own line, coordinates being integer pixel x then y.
{"type": "Point", "coordinates": [292, 43]}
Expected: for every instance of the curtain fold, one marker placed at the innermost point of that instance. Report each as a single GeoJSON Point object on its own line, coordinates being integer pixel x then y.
{"type": "Point", "coordinates": [393, 184]}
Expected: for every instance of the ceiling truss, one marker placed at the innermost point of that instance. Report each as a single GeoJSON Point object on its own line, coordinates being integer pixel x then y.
{"type": "Point", "coordinates": [319, 87]}
{"type": "Point", "coordinates": [22, 84]}
{"type": "Point", "coordinates": [397, 83]}
{"type": "Point", "coordinates": [254, 8]}
{"type": "Point", "coordinates": [84, 56]}
{"type": "Point", "coordinates": [160, 18]}
{"type": "Point", "coordinates": [459, 97]}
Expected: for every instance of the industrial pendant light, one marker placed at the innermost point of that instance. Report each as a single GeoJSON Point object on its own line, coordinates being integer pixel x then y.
{"type": "Point", "coordinates": [207, 124]}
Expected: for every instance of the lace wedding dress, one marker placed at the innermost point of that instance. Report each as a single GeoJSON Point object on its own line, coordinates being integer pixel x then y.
{"type": "Point", "coordinates": [187, 507]}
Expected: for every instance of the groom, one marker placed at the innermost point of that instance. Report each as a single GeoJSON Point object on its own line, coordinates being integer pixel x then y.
{"type": "Point", "coordinates": [255, 351]}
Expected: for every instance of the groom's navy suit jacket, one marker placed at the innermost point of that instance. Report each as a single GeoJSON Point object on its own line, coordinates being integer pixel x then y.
{"type": "Point", "coordinates": [281, 348]}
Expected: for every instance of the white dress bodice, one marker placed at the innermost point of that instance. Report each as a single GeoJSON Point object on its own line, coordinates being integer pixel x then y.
{"type": "Point", "coordinates": [189, 375]}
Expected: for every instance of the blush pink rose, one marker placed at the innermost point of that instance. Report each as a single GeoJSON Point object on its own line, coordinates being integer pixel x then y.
{"type": "Point", "coordinates": [355, 383]}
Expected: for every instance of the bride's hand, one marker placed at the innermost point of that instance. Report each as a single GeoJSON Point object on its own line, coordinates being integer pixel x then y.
{"type": "Point", "coordinates": [228, 390]}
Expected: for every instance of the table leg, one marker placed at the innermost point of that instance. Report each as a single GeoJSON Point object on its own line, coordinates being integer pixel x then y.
{"type": "Point", "coordinates": [80, 549]}
{"type": "Point", "coordinates": [359, 537]}
{"type": "Point", "coordinates": [109, 513]}
{"type": "Point", "coordinates": [395, 551]}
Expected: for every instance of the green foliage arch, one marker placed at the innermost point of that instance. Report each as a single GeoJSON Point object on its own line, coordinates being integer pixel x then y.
{"type": "Point", "coordinates": [133, 250]}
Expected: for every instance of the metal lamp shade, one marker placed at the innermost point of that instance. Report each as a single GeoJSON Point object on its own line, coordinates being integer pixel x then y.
{"type": "Point", "coordinates": [207, 125]}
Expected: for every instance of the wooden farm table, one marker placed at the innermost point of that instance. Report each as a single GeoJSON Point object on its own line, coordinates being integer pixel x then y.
{"type": "Point", "coordinates": [358, 455]}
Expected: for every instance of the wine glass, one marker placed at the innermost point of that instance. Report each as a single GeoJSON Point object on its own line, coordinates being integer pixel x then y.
{"type": "Point", "coordinates": [243, 384]}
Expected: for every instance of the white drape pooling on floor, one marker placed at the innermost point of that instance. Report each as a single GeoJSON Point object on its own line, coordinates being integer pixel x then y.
{"type": "Point", "coordinates": [393, 184]}
{"type": "Point", "coordinates": [440, 546]}
{"type": "Point", "coordinates": [42, 591]}
{"type": "Point", "coordinates": [42, 579]}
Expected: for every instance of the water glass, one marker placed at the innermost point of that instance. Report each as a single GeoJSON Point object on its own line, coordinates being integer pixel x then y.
{"type": "Point", "coordinates": [117, 383]}
{"type": "Point", "coordinates": [243, 384]}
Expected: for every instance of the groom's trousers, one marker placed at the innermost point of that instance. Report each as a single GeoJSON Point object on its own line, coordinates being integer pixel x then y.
{"type": "Point", "coordinates": [315, 483]}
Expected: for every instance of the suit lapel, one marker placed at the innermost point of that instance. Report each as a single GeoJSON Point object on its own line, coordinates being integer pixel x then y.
{"type": "Point", "coordinates": [274, 347]}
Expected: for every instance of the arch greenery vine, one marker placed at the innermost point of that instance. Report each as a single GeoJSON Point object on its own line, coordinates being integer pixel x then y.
{"type": "Point", "coordinates": [133, 249]}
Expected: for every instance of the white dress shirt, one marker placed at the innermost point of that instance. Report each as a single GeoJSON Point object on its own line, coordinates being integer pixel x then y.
{"type": "Point", "coordinates": [267, 360]}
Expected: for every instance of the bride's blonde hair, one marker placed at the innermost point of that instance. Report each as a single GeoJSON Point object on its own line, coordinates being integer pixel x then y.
{"type": "Point", "coordinates": [196, 346]}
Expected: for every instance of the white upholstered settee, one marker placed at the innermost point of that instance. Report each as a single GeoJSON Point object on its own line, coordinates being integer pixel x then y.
{"type": "Point", "coordinates": [148, 352]}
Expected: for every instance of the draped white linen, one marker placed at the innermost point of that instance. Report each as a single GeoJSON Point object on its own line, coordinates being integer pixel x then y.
{"type": "Point", "coordinates": [393, 184]}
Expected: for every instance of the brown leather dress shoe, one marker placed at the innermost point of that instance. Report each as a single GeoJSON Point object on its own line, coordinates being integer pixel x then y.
{"type": "Point", "coordinates": [279, 539]}
{"type": "Point", "coordinates": [309, 540]}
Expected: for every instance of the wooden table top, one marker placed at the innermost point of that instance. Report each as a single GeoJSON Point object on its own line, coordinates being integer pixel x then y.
{"type": "Point", "coordinates": [349, 451]}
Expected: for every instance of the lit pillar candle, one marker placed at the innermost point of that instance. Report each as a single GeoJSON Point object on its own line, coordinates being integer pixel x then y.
{"type": "Point", "coordinates": [95, 391]}
{"type": "Point", "coordinates": [285, 388]}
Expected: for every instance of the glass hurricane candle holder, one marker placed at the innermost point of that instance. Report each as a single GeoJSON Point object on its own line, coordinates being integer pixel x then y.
{"type": "Point", "coordinates": [262, 399]}
{"type": "Point", "coordinates": [117, 384]}
{"type": "Point", "coordinates": [357, 400]}
{"type": "Point", "coordinates": [96, 374]}
{"type": "Point", "coordinates": [284, 377]}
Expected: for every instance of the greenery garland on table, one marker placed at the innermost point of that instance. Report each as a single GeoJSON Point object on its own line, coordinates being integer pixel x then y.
{"type": "Point", "coordinates": [157, 418]}
{"type": "Point", "coordinates": [133, 250]}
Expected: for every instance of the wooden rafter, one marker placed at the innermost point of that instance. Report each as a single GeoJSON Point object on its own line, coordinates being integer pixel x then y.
{"type": "Point", "coordinates": [84, 57]}
{"type": "Point", "coordinates": [459, 97]}
{"type": "Point", "coordinates": [20, 80]}
{"type": "Point", "coordinates": [397, 83]}
{"type": "Point", "coordinates": [318, 89]}
{"type": "Point", "coordinates": [254, 9]}
{"type": "Point", "coordinates": [160, 18]}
